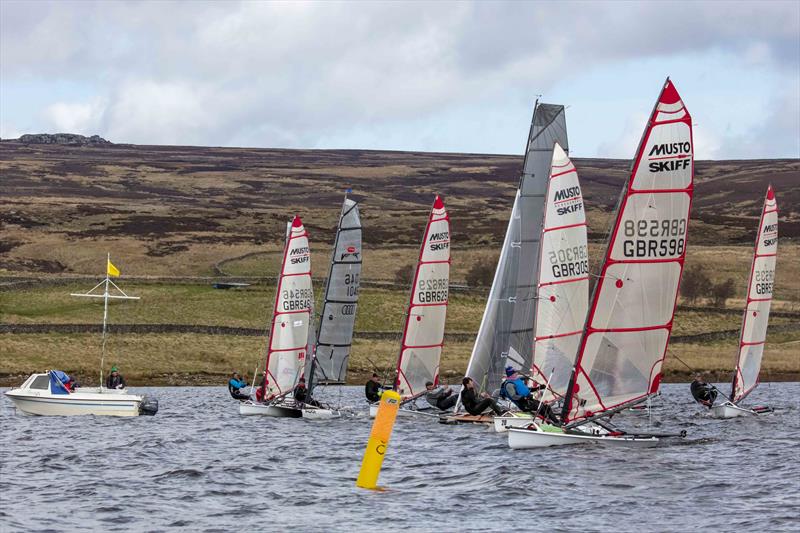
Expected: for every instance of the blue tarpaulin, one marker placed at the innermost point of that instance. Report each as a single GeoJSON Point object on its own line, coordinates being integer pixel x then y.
{"type": "Point", "coordinates": [57, 381]}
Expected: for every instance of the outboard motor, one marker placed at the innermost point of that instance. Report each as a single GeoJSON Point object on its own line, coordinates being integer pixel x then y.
{"type": "Point", "coordinates": [148, 406]}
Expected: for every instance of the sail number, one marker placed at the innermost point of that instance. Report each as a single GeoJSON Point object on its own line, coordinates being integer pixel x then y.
{"type": "Point", "coordinates": [296, 299]}
{"type": "Point", "coordinates": [764, 280]}
{"type": "Point", "coordinates": [351, 280]}
{"type": "Point", "coordinates": [432, 290]}
{"type": "Point", "coordinates": [654, 238]}
{"type": "Point", "coordinates": [567, 262]}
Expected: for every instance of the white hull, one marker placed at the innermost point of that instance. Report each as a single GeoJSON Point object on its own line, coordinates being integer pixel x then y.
{"type": "Point", "coordinates": [263, 409]}
{"type": "Point", "coordinates": [520, 420]}
{"type": "Point", "coordinates": [522, 439]}
{"type": "Point", "coordinates": [110, 403]}
{"type": "Point", "coordinates": [405, 413]}
{"type": "Point", "coordinates": [321, 414]}
{"type": "Point", "coordinates": [728, 410]}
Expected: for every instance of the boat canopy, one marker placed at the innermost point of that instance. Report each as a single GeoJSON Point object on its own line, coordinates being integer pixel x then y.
{"type": "Point", "coordinates": [759, 298]}
{"type": "Point", "coordinates": [58, 381]}
{"type": "Point", "coordinates": [627, 330]}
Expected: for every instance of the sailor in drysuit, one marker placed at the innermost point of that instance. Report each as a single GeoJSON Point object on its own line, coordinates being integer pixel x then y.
{"type": "Point", "coordinates": [235, 386]}
{"type": "Point", "coordinates": [702, 392]}
{"type": "Point", "coordinates": [515, 389]}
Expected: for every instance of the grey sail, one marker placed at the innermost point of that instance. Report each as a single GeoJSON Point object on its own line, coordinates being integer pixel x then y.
{"type": "Point", "coordinates": [506, 334]}
{"type": "Point", "coordinates": [338, 315]}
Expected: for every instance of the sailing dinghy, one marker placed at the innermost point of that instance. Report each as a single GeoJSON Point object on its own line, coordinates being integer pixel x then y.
{"type": "Point", "coordinates": [49, 394]}
{"type": "Point", "coordinates": [289, 333]}
{"type": "Point", "coordinates": [562, 292]}
{"type": "Point", "coordinates": [756, 315]}
{"type": "Point", "coordinates": [506, 334]}
{"type": "Point", "coordinates": [423, 331]}
{"type": "Point", "coordinates": [624, 341]}
{"type": "Point", "coordinates": [338, 317]}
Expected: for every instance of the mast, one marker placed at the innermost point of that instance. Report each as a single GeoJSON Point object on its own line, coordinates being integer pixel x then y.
{"type": "Point", "coordinates": [289, 332]}
{"type": "Point", "coordinates": [627, 329]}
{"type": "Point", "coordinates": [563, 283]}
{"type": "Point", "coordinates": [111, 270]}
{"type": "Point", "coordinates": [506, 332]}
{"type": "Point", "coordinates": [759, 298]}
{"type": "Point", "coordinates": [423, 331]}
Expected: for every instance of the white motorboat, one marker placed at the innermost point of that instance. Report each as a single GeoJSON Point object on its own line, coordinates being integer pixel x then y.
{"type": "Point", "coordinates": [44, 394]}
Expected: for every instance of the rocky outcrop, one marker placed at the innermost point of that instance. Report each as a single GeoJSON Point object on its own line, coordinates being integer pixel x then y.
{"type": "Point", "coordinates": [72, 139]}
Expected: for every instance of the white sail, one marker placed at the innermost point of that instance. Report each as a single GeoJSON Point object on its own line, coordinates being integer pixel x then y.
{"type": "Point", "coordinates": [759, 298]}
{"type": "Point", "coordinates": [506, 333]}
{"type": "Point", "coordinates": [292, 314]}
{"type": "Point", "coordinates": [630, 319]}
{"type": "Point", "coordinates": [338, 316]}
{"type": "Point", "coordinates": [563, 289]}
{"type": "Point", "coordinates": [423, 333]}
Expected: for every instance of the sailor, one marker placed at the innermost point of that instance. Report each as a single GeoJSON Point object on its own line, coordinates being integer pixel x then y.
{"type": "Point", "coordinates": [515, 389]}
{"type": "Point", "coordinates": [702, 392]}
{"type": "Point", "coordinates": [235, 386]}
{"type": "Point", "coordinates": [469, 399]}
{"type": "Point", "coordinates": [440, 397]}
{"type": "Point", "coordinates": [373, 389]}
{"type": "Point", "coordinates": [115, 379]}
{"type": "Point", "coordinates": [301, 394]}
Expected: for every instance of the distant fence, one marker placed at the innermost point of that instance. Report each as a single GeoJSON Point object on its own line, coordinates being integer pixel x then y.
{"type": "Point", "coordinates": [255, 332]}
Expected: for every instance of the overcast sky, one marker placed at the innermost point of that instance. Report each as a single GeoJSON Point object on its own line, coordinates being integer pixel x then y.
{"type": "Point", "coordinates": [455, 77]}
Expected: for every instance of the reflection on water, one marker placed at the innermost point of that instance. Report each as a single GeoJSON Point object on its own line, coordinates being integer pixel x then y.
{"type": "Point", "coordinates": [199, 465]}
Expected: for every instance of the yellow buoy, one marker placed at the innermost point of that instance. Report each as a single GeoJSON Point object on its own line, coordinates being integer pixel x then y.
{"type": "Point", "coordinates": [378, 440]}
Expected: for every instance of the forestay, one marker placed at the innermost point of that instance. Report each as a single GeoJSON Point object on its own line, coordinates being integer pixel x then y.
{"type": "Point", "coordinates": [629, 323]}
{"type": "Point", "coordinates": [423, 333]}
{"type": "Point", "coordinates": [563, 285]}
{"type": "Point", "coordinates": [292, 314]}
{"type": "Point", "coordinates": [338, 316]}
{"type": "Point", "coordinates": [506, 333]}
{"type": "Point", "coordinates": [759, 298]}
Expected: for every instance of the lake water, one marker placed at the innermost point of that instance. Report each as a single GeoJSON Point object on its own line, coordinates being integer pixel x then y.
{"type": "Point", "coordinates": [198, 465]}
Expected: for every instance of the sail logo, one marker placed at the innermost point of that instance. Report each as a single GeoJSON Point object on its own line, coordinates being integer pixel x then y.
{"type": "Point", "coordinates": [299, 255]}
{"type": "Point", "coordinates": [568, 193]}
{"type": "Point", "coordinates": [351, 251]}
{"type": "Point", "coordinates": [673, 156]}
{"type": "Point", "coordinates": [770, 235]}
{"type": "Point", "coordinates": [568, 200]}
{"type": "Point", "coordinates": [439, 241]}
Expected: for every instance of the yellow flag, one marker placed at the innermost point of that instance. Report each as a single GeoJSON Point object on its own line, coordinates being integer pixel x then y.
{"type": "Point", "coordinates": [112, 270]}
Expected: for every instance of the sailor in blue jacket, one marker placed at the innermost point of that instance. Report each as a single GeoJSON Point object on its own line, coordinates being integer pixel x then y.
{"type": "Point", "coordinates": [235, 386]}
{"type": "Point", "coordinates": [515, 389]}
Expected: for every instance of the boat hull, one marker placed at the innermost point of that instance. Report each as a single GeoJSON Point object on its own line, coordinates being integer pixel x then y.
{"type": "Point", "coordinates": [76, 404]}
{"type": "Point", "coordinates": [523, 439]}
{"type": "Point", "coordinates": [516, 420]}
{"type": "Point", "coordinates": [249, 408]}
{"type": "Point", "coordinates": [321, 414]}
{"type": "Point", "coordinates": [728, 410]}
{"type": "Point", "coordinates": [406, 413]}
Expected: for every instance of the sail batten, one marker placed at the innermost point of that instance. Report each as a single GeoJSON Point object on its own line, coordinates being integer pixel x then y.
{"type": "Point", "coordinates": [630, 319]}
{"type": "Point", "coordinates": [755, 319]}
{"type": "Point", "coordinates": [423, 331]}
{"type": "Point", "coordinates": [506, 334]}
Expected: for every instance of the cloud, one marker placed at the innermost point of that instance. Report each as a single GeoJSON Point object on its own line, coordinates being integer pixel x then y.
{"type": "Point", "coordinates": [294, 73]}
{"type": "Point", "coordinates": [70, 117]}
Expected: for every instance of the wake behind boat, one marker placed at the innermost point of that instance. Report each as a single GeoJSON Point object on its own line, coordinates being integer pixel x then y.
{"type": "Point", "coordinates": [52, 394]}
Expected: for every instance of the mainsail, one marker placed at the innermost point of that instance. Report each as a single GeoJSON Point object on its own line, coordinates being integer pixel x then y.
{"type": "Point", "coordinates": [628, 326]}
{"type": "Point", "coordinates": [423, 334]}
{"type": "Point", "coordinates": [759, 298]}
{"type": "Point", "coordinates": [292, 314]}
{"type": "Point", "coordinates": [563, 288]}
{"type": "Point", "coordinates": [506, 333]}
{"type": "Point", "coordinates": [338, 316]}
